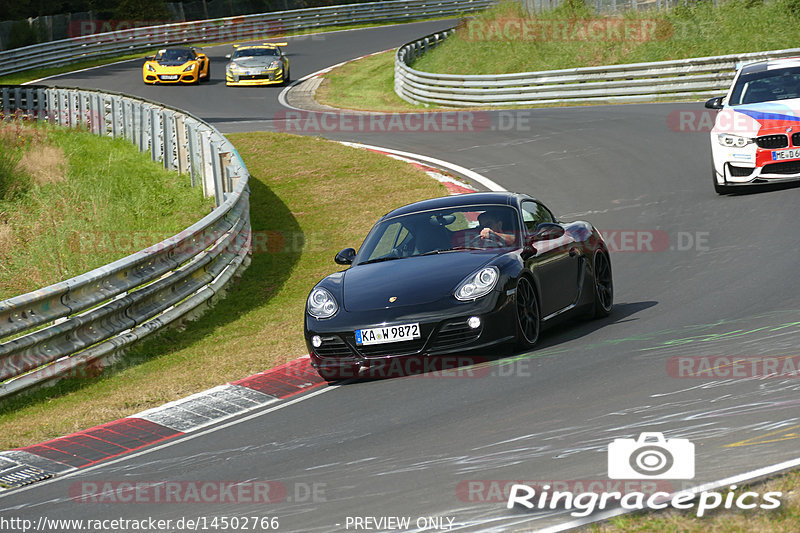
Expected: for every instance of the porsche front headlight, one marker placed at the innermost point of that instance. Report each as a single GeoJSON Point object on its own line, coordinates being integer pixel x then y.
{"type": "Point", "coordinates": [233, 66]}
{"type": "Point", "coordinates": [478, 284]}
{"type": "Point", "coordinates": [733, 141]}
{"type": "Point", "coordinates": [275, 64]}
{"type": "Point", "coordinates": [321, 303]}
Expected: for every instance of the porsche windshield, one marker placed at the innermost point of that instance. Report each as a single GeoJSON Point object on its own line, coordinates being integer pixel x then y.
{"type": "Point", "coordinates": [453, 229]}
{"type": "Point", "coordinates": [766, 86]}
{"type": "Point", "coordinates": [255, 52]}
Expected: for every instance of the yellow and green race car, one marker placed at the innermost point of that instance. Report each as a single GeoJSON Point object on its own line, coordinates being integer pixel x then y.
{"type": "Point", "coordinates": [176, 65]}
{"type": "Point", "coordinates": [257, 64]}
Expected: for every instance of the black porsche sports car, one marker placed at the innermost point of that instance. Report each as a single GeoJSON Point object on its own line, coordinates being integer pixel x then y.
{"type": "Point", "coordinates": [453, 274]}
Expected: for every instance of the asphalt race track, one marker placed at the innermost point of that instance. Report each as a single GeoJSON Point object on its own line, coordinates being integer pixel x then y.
{"type": "Point", "coordinates": [695, 274]}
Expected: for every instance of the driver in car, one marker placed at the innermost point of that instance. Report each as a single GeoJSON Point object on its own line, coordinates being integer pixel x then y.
{"type": "Point", "coordinates": [492, 229]}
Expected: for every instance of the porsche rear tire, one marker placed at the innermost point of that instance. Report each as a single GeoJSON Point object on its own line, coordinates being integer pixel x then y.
{"type": "Point", "coordinates": [528, 317]}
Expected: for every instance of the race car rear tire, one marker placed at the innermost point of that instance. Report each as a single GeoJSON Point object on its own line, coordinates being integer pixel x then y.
{"type": "Point", "coordinates": [208, 74]}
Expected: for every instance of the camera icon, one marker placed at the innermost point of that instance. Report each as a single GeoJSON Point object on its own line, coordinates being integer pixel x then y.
{"type": "Point", "coordinates": [651, 457]}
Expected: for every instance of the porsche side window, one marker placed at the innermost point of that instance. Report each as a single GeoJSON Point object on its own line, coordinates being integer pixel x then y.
{"type": "Point", "coordinates": [533, 214]}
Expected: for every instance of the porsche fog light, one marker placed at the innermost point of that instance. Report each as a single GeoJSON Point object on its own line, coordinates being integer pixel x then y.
{"type": "Point", "coordinates": [316, 341]}
{"type": "Point", "coordinates": [733, 141]}
{"type": "Point", "coordinates": [478, 284]}
{"type": "Point", "coordinates": [321, 304]}
{"type": "Point", "coordinates": [474, 322]}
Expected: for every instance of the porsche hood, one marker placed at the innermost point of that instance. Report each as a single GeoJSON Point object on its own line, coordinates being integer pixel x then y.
{"type": "Point", "coordinates": [412, 280]}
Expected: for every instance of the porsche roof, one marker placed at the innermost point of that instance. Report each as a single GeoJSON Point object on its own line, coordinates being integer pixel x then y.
{"type": "Point", "coordinates": [475, 198]}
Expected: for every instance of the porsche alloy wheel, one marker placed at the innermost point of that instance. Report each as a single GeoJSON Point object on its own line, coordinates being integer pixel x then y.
{"type": "Point", "coordinates": [603, 285]}
{"type": "Point", "coordinates": [528, 320]}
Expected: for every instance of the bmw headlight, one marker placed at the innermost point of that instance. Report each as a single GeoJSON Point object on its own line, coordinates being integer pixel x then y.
{"type": "Point", "coordinates": [733, 141]}
{"type": "Point", "coordinates": [150, 68]}
{"type": "Point", "coordinates": [321, 303]}
{"type": "Point", "coordinates": [478, 284]}
{"type": "Point", "coordinates": [189, 68]}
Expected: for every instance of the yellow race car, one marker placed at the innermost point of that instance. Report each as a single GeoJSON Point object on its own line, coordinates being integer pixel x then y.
{"type": "Point", "coordinates": [257, 64]}
{"type": "Point", "coordinates": [176, 65]}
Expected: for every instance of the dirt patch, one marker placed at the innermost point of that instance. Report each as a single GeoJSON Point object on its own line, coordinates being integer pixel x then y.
{"type": "Point", "coordinates": [45, 164]}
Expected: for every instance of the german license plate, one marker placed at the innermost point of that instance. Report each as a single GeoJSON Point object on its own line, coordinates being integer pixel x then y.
{"type": "Point", "coordinates": [169, 77]}
{"type": "Point", "coordinates": [405, 332]}
{"type": "Point", "coordinates": [780, 155]}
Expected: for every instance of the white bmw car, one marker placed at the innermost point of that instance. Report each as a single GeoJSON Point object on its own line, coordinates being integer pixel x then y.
{"type": "Point", "coordinates": [756, 134]}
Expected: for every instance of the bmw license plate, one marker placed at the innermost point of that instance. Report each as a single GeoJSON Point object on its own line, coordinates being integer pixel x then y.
{"type": "Point", "coordinates": [405, 332]}
{"type": "Point", "coordinates": [169, 77]}
{"type": "Point", "coordinates": [780, 155]}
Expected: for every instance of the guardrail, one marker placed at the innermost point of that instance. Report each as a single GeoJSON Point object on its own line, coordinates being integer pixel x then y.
{"type": "Point", "coordinates": [638, 82]}
{"type": "Point", "coordinates": [227, 29]}
{"type": "Point", "coordinates": [63, 329]}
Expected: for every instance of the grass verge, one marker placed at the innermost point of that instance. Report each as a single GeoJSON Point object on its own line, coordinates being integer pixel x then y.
{"type": "Point", "coordinates": [493, 43]}
{"type": "Point", "coordinates": [785, 519]}
{"type": "Point", "coordinates": [71, 201]}
{"type": "Point", "coordinates": [307, 209]}
{"type": "Point", "coordinates": [366, 84]}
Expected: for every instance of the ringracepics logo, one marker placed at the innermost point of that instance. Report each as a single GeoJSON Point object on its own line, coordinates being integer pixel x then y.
{"type": "Point", "coordinates": [650, 457]}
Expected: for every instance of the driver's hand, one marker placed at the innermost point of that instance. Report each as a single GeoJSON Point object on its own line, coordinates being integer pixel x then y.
{"type": "Point", "coordinates": [486, 233]}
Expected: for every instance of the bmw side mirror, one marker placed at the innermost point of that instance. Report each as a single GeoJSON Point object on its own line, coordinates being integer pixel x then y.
{"type": "Point", "coordinates": [547, 231]}
{"type": "Point", "coordinates": [345, 257]}
{"type": "Point", "coordinates": [714, 103]}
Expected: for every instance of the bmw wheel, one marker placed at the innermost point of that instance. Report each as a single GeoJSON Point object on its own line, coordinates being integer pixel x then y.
{"type": "Point", "coordinates": [528, 319]}
{"type": "Point", "coordinates": [603, 285]}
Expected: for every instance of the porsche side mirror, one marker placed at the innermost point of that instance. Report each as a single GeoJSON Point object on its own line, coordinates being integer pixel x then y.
{"type": "Point", "coordinates": [528, 248]}
{"type": "Point", "coordinates": [149, 58]}
{"type": "Point", "coordinates": [714, 103]}
{"type": "Point", "coordinates": [345, 257]}
{"type": "Point", "coordinates": [547, 231]}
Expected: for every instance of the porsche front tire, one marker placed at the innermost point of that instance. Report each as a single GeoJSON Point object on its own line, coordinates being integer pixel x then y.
{"type": "Point", "coordinates": [528, 317]}
{"type": "Point", "coordinates": [603, 285]}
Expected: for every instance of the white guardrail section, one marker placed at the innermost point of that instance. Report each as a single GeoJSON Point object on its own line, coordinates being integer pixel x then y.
{"type": "Point", "coordinates": [76, 325]}
{"type": "Point", "coordinates": [639, 82]}
{"type": "Point", "coordinates": [227, 29]}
